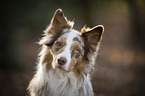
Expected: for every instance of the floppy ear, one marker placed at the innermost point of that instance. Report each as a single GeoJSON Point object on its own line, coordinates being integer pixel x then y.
{"type": "Point", "coordinates": [92, 37]}
{"type": "Point", "coordinates": [54, 30]}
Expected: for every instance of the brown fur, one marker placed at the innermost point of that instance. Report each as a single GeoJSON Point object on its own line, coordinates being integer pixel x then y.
{"type": "Point", "coordinates": [92, 37]}
{"type": "Point", "coordinates": [80, 61]}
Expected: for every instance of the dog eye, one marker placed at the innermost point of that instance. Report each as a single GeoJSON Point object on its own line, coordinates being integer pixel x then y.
{"type": "Point", "coordinates": [58, 44]}
{"type": "Point", "coordinates": [76, 50]}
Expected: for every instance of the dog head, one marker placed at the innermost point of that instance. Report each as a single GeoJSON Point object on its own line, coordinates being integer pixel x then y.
{"type": "Point", "coordinates": [69, 48]}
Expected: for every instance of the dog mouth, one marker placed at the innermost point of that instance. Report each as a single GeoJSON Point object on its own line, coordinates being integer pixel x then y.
{"type": "Point", "coordinates": [61, 68]}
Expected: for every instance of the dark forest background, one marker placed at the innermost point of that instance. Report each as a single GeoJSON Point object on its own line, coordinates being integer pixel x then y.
{"type": "Point", "coordinates": [120, 66]}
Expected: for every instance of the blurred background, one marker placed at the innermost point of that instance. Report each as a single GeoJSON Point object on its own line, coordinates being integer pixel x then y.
{"type": "Point", "coordinates": [120, 66]}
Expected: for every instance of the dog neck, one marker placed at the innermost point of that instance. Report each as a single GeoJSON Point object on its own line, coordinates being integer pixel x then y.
{"type": "Point", "coordinates": [59, 82]}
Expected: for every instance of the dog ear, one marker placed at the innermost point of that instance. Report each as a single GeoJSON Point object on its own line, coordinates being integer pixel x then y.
{"type": "Point", "coordinates": [92, 37]}
{"type": "Point", "coordinates": [54, 30]}
{"type": "Point", "coordinates": [59, 21]}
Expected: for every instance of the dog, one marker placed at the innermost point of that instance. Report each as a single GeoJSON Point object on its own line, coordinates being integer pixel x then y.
{"type": "Point", "coordinates": [66, 59]}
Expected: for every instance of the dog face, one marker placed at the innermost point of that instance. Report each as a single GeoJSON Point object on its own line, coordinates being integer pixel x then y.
{"type": "Point", "coordinates": [70, 48]}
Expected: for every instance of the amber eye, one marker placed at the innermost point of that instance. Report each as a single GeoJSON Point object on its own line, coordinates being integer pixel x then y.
{"type": "Point", "coordinates": [58, 44]}
{"type": "Point", "coordinates": [77, 50]}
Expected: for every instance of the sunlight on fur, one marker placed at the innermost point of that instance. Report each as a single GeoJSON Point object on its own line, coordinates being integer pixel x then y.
{"type": "Point", "coordinates": [65, 60]}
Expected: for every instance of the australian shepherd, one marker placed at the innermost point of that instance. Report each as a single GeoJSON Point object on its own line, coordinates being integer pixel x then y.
{"type": "Point", "coordinates": [66, 59]}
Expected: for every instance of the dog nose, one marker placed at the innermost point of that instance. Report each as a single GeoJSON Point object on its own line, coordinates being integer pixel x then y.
{"type": "Point", "coordinates": [62, 61]}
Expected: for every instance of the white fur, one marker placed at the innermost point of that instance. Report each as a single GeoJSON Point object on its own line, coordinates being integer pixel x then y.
{"type": "Point", "coordinates": [56, 82]}
{"type": "Point", "coordinates": [49, 80]}
{"type": "Point", "coordinates": [67, 51]}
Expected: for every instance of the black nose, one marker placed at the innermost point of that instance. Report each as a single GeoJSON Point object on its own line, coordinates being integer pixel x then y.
{"type": "Point", "coordinates": [62, 61]}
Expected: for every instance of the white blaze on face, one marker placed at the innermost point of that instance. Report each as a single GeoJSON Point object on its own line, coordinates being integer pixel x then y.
{"type": "Point", "coordinates": [67, 51]}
